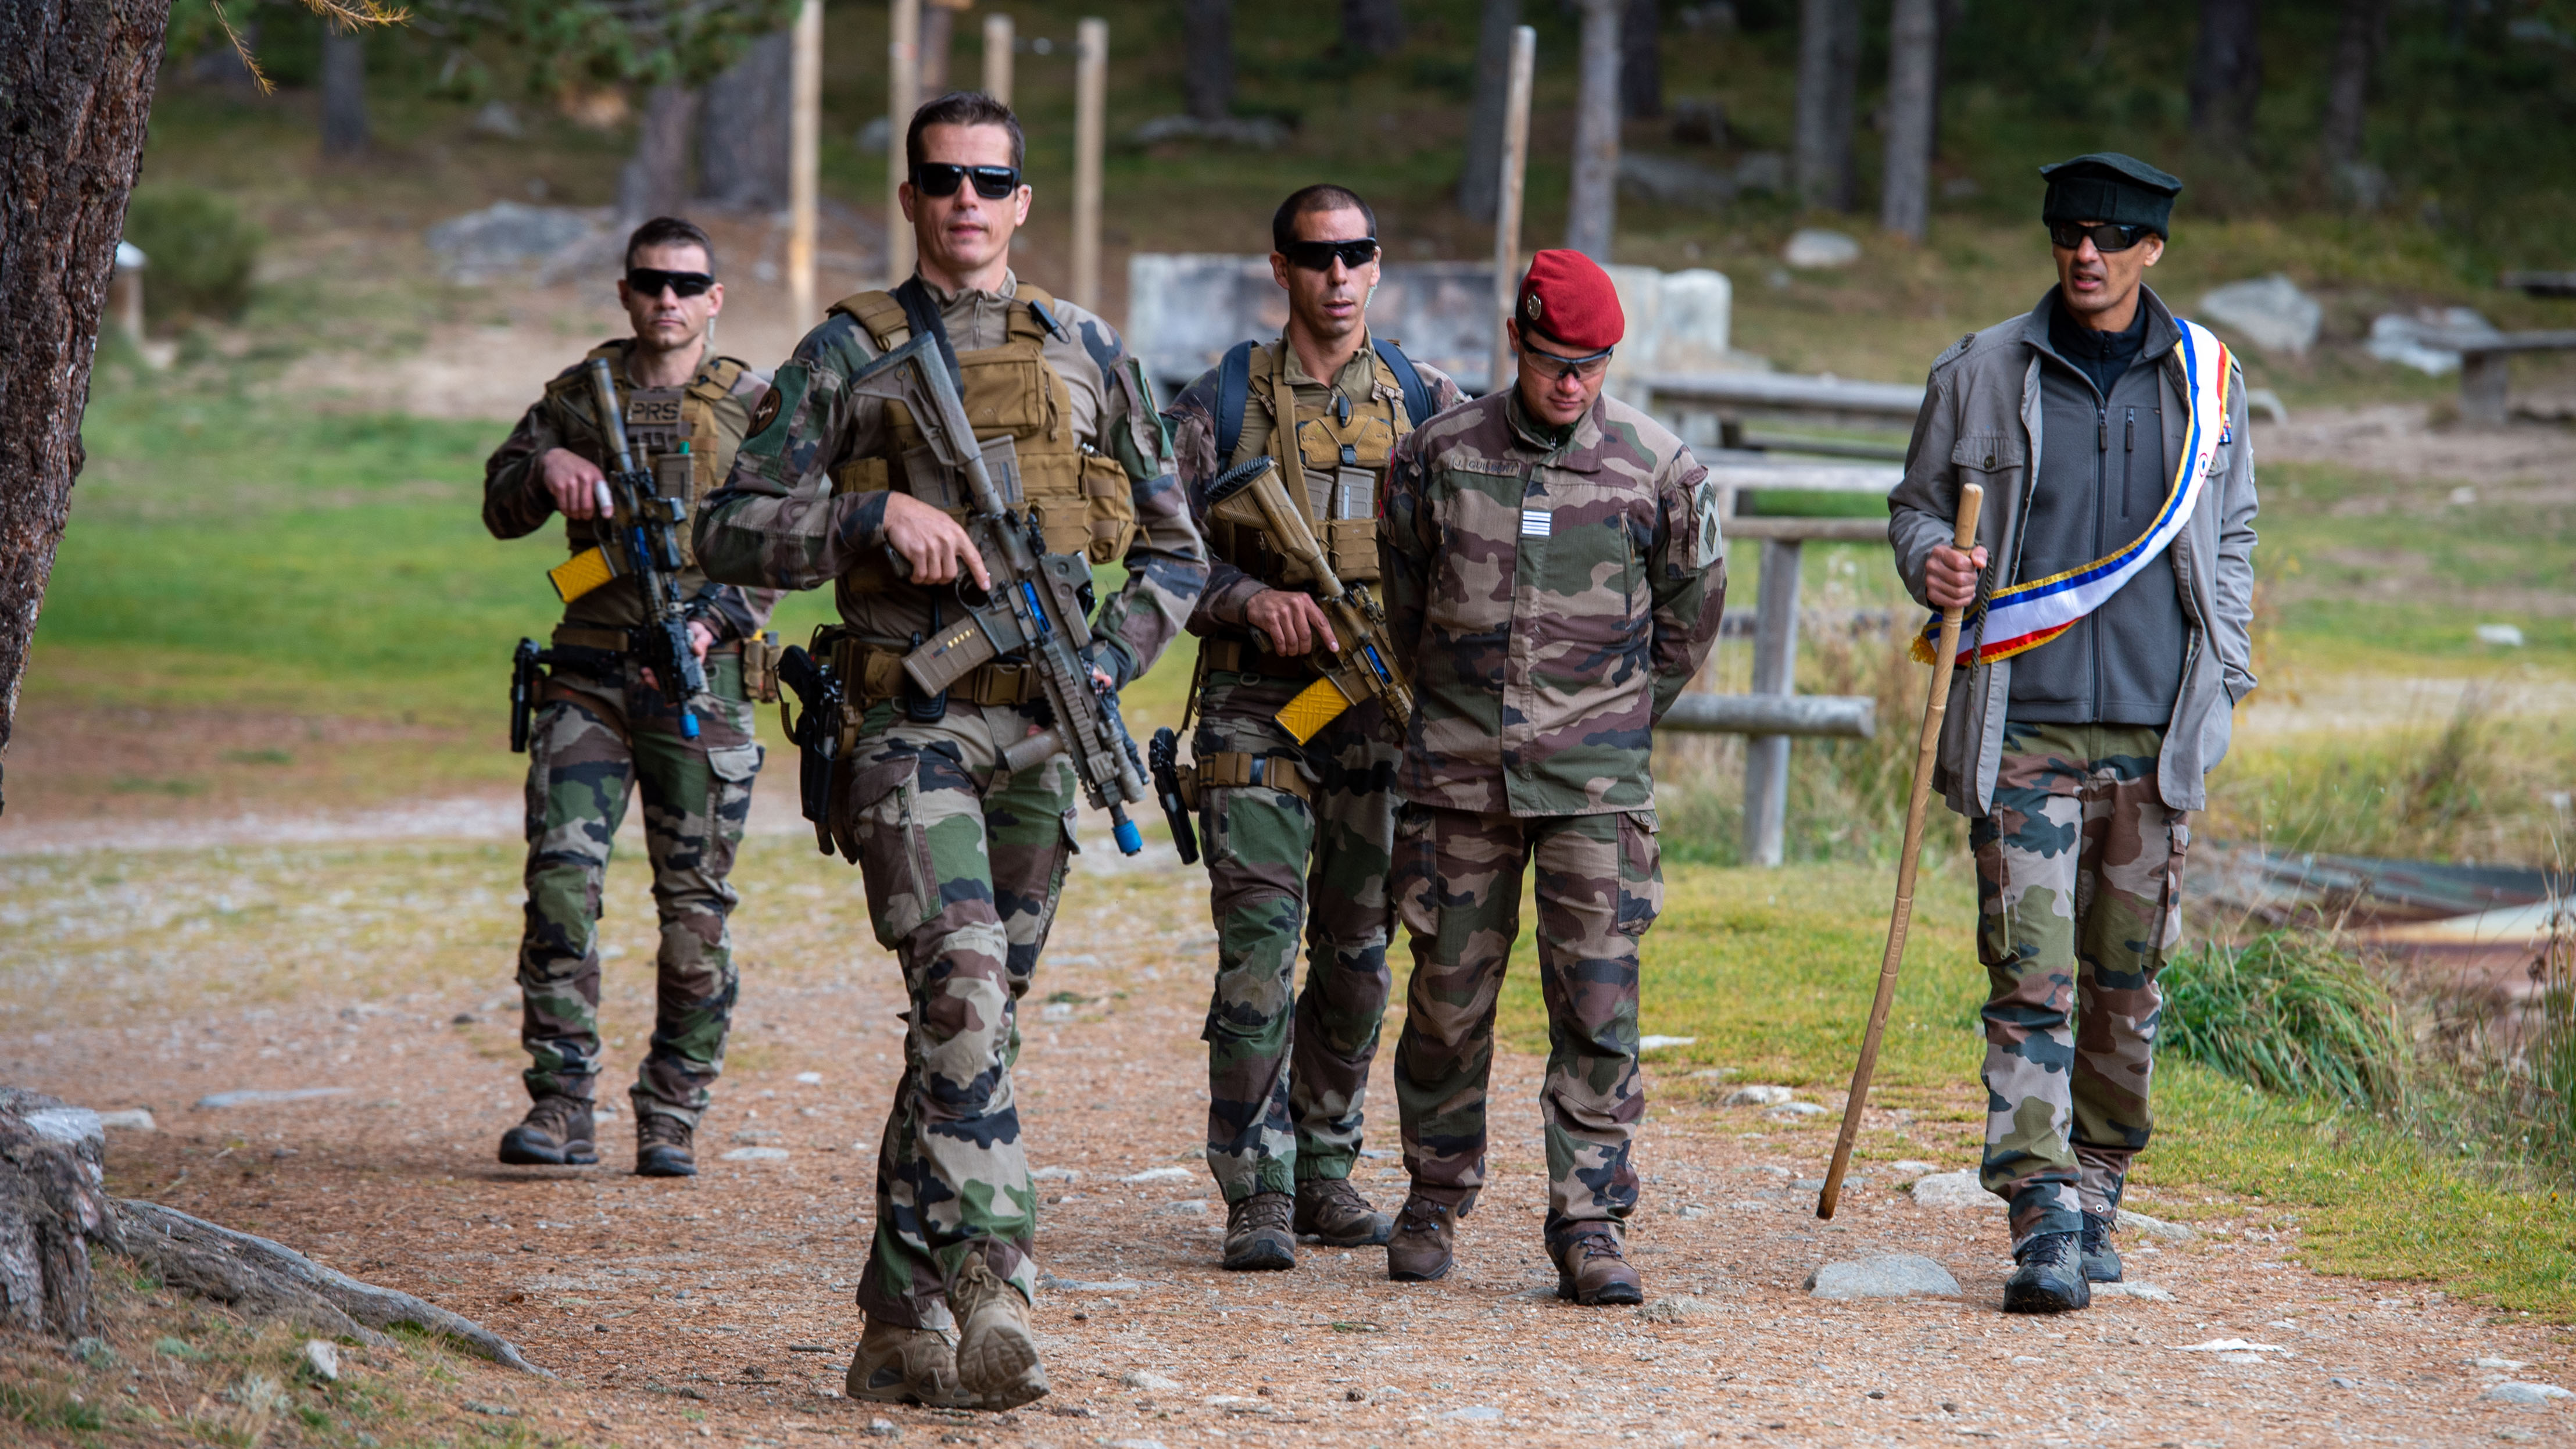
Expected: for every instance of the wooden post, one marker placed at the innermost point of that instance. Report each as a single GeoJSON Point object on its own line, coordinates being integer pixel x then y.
{"type": "Point", "coordinates": [1913, 96]}
{"type": "Point", "coordinates": [2485, 388]}
{"type": "Point", "coordinates": [1507, 203]}
{"type": "Point", "coordinates": [1090, 136]}
{"type": "Point", "coordinates": [903, 97]}
{"type": "Point", "coordinates": [804, 158]}
{"type": "Point", "coordinates": [999, 37]}
{"type": "Point", "coordinates": [1775, 671]}
{"type": "Point", "coordinates": [1592, 211]}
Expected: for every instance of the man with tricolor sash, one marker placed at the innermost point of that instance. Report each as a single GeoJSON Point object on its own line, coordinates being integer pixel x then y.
{"type": "Point", "coordinates": [2105, 646]}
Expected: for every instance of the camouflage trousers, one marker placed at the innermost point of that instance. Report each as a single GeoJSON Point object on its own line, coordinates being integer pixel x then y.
{"type": "Point", "coordinates": [592, 738]}
{"type": "Point", "coordinates": [1287, 1082]}
{"type": "Point", "coordinates": [964, 861]}
{"type": "Point", "coordinates": [2079, 874]}
{"type": "Point", "coordinates": [1457, 888]}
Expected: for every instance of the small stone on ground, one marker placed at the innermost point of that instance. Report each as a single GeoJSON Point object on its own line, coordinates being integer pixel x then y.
{"type": "Point", "coordinates": [1884, 1275]}
{"type": "Point", "coordinates": [1951, 1190]}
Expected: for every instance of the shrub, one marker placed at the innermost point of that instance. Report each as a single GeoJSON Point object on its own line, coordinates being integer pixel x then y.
{"type": "Point", "coordinates": [200, 253]}
{"type": "Point", "coordinates": [2289, 1012]}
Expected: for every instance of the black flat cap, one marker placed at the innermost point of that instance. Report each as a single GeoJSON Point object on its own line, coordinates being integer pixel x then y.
{"type": "Point", "coordinates": [2107, 186]}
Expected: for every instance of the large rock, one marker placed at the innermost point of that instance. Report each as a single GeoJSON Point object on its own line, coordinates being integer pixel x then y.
{"type": "Point", "coordinates": [1816, 248]}
{"type": "Point", "coordinates": [509, 238]}
{"type": "Point", "coordinates": [2427, 340]}
{"type": "Point", "coordinates": [2269, 312]}
{"type": "Point", "coordinates": [1884, 1275]}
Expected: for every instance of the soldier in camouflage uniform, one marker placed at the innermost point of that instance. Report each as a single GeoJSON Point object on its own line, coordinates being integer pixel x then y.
{"type": "Point", "coordinates": [2077, 758]}
{"type": "Point", "coordinates": [963, 859]}
{"type": "Point", "coordinates": [602, 724]}
{"type": "Point", "coordinates": [1554, 576]}
{"type": "Point", "coordinates": [1297, 832]}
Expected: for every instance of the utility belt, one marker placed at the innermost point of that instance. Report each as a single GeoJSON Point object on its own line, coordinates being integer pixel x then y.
{"type": "Point", "coordinates": [872, 673]}
{"type": "Point", "coordinates": [601, 653]}
{"type": "Point", "coordinates": [1246, 656]}
{"type": "Point", "coordinates": [1233, 769]}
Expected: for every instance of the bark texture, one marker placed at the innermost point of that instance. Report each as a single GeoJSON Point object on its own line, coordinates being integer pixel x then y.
{"type": "Point", "coordinates": [52, 1208]}
{"type": "Point", "coordinates": [1641, 64]}
{"type": "Point", "coordinates": [1207, 43]}
{"type": "Point", "coordinates": [656, 179]}
{"type": "Point", "coordinates": [1828, 89]}
{"type": "Point", "coordinates": [2226, 73]}
{"type": "Point", "coordinates": [742, 128]}
{"type": "Point", "coordinates": [344, 92]}
{"type": "Point", "coordinates": [938, 34]}
{"type": "Point", "coordinates": [1913, 95]}
{"type": "Point", "coordinates": [1372, 27]}
{"type": "Point", "coordinates": [1480, 184]}
{"type": "Point", "coordinates": [2357, 42]}
{"type": "Point", "coordinates": [1592, 215]}
{"type": "Point", "coordinates": [76, 82]}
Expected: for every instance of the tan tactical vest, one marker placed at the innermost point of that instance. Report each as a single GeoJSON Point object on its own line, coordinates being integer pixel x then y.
{"type": "Point", "coordinates": [1340, 458]}
{"type": "Point", "coordinates": [658, 421]}
{"type": "Point", "coordinates": [1080, 499]}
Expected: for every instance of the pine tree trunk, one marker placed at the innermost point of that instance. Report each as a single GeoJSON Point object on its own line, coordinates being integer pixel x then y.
{"type": "Point", "coordinates": [1828, 86]}
{"type": "Point", "coordinates": [742, 128]}
{"type": "Point", "coordinates": [1480, 184]}
{"type": "Point", "coordinates": [2348, 84]}
{"type": "Point", "coordinates": [1372, 27]}
{"type": "Point", "coordinates": [1641, 64]}
{"type": "Point", "coordinates": [938, 29]}
{"type": "Point", "coordinates": [2226, 73]}
{"type": "Point", "coordinates": [51, 1211]}
{"type": "Point", "coordinates": [344, 92]}
{"type": "Point", "coordinates": [656, 179]}
{"type": "Point", "coordinates": [1592, 215]}
{"type": "Point", "coordinates": [1913, 66]}
{"type": "Point", "coordinates": [76, 82]}
{"type": "Point", "coordinates": [1207, 44]}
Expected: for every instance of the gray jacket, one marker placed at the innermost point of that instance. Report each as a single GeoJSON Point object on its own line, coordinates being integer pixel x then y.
{"type": "Point", "coordinates": [1981, 423]}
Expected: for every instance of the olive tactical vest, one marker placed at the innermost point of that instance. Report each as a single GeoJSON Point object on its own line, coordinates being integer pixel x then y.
{"type": "Point", "coordinates": [659, 420]}
{"type": "Point", "coordinates": [1080, 499]}
{"type": "Point", "coordinates": [1341, 454]}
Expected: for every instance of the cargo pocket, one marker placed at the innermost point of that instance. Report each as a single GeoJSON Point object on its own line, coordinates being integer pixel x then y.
{"type": "Point", "coordinates": [730, 771]}
{"type": "Point", "coordinates": [2169, 902]}
{"type": "Point", "coordinates": [1109, 508]}
{"type": "Point", "coordinates": [1641, 872]}
{"type": "Point", "coordinates": [1413, 876]}
{"type": "Point", "coordinates": [878, 815]}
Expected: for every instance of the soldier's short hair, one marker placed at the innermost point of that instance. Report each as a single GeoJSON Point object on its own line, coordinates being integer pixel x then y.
{"type": "Point", "coordinates": [962, 108]}
{"type": "Point", "coordinates": [1322, 196]}
{"type": "Point", "coordinates": [670, 231]}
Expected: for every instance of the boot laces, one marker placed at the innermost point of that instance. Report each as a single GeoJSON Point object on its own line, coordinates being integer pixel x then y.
{"type": "Point", "coordinates": [658, 1130]}
{"type": "Point", "coordinates": [1421, 1215]}
{"type": "Point", "coordinates": [558, 1117]}
{"type": "Point", "coordinates": [1273, 1210]}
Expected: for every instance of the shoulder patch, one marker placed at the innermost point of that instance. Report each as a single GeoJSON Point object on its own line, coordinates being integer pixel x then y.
{"type": "Point", "coordinates": [764, 413]}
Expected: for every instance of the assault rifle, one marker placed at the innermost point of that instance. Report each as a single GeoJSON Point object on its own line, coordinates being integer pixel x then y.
{"type": "Point", "coordinates": [1034, 610]}
{"type": "Point", "coordinates": [817, 735]}
{"type": "Point", "coordinates": [1364, 668]}
{"type": "Point", "coordinates": [643, 540]}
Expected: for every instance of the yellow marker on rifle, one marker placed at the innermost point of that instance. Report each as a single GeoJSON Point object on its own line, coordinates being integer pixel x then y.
{"type": "Point", "coordinates": [582, 573]}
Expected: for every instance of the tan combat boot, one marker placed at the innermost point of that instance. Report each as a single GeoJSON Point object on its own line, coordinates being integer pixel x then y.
{"type": "Point", "coordinates": [896, 1365]}
{"type": "Point", "coordinates": [1426, 1234]}
{"type": "Point", "coordinates": [1592, 1270]}
{"type": "Point", "coordinates": [1330, 1209]}
{"type": "Point", "coordinates": [1257, 1234]}
{"type": "Point", "coordinates": [555, 1133]}
{"type": "Point", "coordinates": [997, 1344]}
{"type": "Point", "coordinates": [665, 1146]}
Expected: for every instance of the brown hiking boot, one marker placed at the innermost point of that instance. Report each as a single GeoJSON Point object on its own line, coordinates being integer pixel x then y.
{"type": "Point", "coordinates": [1331, 1210]}
{"type": "Point", "coordinates": [997, 1345]}
{"type": "Point", "coordinates": [1258, 1238]}
{"type": "Point", "coordinates": [664, 1146]}
{"type": "Point", "coordinates": [555, 1133]}
{"type": "Point", "coordinates": [897, 1365]}
{"type": "Point", "coordinates": [1425, 1234]}
{"type": "Point", "coordinates": [1591, 1270]}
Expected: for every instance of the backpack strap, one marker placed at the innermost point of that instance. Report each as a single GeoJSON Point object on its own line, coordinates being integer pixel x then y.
{"type": "Point", "coordinates": [1233, 390]}
{"type": "Point", "coordinates": [1417, 396]}
{"type": "Point", "coordinates": [718, 378]}
{"type": "Point", "coordinates": [921, 310]}
{"type": "Point", "coordinates": [880, 315]}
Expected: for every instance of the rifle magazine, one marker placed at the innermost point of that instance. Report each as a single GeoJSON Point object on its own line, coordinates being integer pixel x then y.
{"type": "Point", "coordinates": [582, 573]}
{"type": "Point", "coordinates": [1315, 706]}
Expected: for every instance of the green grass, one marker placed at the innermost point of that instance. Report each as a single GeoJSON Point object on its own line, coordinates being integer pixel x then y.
{"type": "Point", "coordinates": [2288, 1012]}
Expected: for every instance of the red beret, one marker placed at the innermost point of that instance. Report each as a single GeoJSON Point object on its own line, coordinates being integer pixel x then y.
{"type": "Point", "coordinates": [1569, 298]}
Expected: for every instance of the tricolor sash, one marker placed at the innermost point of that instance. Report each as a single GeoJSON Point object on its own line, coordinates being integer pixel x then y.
{"type": "Point", "coordinates": [2027, 615]}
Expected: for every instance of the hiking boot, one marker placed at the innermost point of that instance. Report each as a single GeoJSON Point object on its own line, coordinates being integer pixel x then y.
{"type": "Point", "coordinates": [555, 1133]}
{"type": "Point", "coordinates": [1257, 1235]}
{"type": "Point", "coordinates": [663, 1146]}
{"type": "Point", "coordinates": [2050, 1278]}
{"type": "Point", "coordinates": [2101, 1260]}
{"type": "Point", "coordinates": [1332, 1211]}
{"type": "Point", "coordinates": [997, 1346]}
{"type": "Point", "coordinates": [1423, 1242]}
{"type": "Point", "coordinates": [1591, 1270]}
{"type": "Point", "coordinates": [906, 1366]}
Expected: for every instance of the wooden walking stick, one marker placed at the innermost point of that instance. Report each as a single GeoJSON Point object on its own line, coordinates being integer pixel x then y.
{"type": "Point", "coordinates": [1945, 657]}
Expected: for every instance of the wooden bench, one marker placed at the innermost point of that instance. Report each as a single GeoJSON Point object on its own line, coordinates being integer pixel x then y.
{"type": "Point", "coordinates": [2486, 361]}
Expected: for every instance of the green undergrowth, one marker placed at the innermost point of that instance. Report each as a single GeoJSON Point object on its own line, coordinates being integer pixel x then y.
{"type": "Point", "coordinates": [2288, 1012]}
{"type": "Point", "coordinates": [1772, 973]}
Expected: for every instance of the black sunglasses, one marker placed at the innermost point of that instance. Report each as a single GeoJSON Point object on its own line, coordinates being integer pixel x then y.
{"type": "Point", "coordinates": [649, 282]}
{"type": "Point", "coordinates": [1318, 256]}
{"type": "Point", "coordinates": [2107, 236]}
{"type": "Point", "coordinates": [941, 178]}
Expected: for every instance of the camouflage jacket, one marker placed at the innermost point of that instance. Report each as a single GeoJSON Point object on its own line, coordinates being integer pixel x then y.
{"type": "Point", "coordinates": [777, 520]}
{"type": "Point", "coordinates": [516, 502]}
{"type": "Point", "coordinates": [1192, 419]}
{"type": "Point", "coordinates": [1555, 597]}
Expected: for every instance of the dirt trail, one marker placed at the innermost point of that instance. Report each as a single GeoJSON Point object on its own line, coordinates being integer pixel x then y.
{"type": "Point", "coordinates": [678, 1312]}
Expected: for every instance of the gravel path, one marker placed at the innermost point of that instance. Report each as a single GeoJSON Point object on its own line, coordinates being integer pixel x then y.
{"type": "Point", "coordinates": [720, 1308]}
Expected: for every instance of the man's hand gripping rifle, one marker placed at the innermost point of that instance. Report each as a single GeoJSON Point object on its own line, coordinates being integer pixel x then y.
{"type": "Point", "coordinates": [1364, 668]}
{"type": "Point", "coordinates": [1034, 610]}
